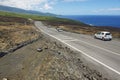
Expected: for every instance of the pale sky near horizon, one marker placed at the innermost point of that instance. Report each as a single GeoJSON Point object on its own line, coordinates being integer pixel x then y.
{"type": "Point", "coordinates": [68, 7]}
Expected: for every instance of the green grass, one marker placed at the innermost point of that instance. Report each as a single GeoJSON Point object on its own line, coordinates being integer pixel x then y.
{"type": "Point", "coordinates": [50, 19]}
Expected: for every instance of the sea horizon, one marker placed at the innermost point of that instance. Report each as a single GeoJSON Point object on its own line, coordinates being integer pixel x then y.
{"type": "Point", "coordinates": [96, 20]}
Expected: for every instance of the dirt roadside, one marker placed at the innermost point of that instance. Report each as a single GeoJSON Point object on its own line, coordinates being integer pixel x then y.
{"type": "Point", "coordinates": [54, 62]}
{"type": "Point", "coordinates": [15, 33]}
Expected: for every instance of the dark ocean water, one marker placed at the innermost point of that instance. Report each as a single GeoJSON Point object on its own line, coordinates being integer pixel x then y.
{"type": "Point", "coordinates": [97, 20]}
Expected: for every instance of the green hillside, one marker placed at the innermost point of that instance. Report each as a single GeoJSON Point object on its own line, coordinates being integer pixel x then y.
{"type": "Point", "coordinates": [53, 20]}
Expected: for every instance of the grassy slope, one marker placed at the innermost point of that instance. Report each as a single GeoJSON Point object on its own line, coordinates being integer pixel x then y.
{"type": "Point", "coordinates": [54, 20]}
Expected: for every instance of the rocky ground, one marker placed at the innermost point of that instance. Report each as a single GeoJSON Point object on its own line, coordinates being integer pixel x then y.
{"type": "Point", "coordinates": [52, 62]}
{"type": "Point", "coordinates": [15, 33]}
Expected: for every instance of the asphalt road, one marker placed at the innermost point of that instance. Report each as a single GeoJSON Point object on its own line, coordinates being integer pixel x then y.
{"type": "Point", "coordinates": [105, 53]}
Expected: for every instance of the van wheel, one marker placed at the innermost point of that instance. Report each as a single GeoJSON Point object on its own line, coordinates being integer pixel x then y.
{"type": "Point", "coordinates": [95, 37]}
{"type": "Point", "coordinates": [110, 39]}
{"type": "Point", "coordinates": [103, 38]}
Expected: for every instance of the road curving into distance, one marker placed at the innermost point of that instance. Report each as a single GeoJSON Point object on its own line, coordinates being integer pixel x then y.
{"type": "Point", "coordinates": [106, 54]}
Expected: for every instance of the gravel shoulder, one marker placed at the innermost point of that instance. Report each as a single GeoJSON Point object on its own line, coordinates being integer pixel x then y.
{"type": "Point", "coordinates": [54, 62]}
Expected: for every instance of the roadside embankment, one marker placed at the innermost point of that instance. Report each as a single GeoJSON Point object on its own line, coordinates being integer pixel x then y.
{"type": "Point", "coordinates": [15, 33]}
{"type": "Point", "coordinates": [53, 62]}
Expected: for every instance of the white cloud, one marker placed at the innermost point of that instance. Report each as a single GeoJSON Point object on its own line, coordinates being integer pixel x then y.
{"type": "Point", "coordinates": [29, 4]}
{"type": "Point", "coordinates": [47, 6]}
{"type": "Point", "coordinates": [114, 9]}
{"type": "Point", "coordinates": [107, 10]}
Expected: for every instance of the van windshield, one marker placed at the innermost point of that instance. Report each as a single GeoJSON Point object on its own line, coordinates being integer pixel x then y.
{"type": "Point", "coordinates": [108, 34]}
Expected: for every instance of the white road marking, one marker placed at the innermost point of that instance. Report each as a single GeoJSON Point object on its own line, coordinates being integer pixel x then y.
{"type": "Point", "coordinates": [83, 53]}
{"type": "Point", "coordinates": [94, 46]}
{"type": "Point", "coordinates": [100, 48]}
{"type": "Point", "coordinates": [68, 40]}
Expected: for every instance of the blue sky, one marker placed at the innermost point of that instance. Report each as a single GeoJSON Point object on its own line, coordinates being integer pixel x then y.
{"type": "Point", "coordinates": [68, 7]}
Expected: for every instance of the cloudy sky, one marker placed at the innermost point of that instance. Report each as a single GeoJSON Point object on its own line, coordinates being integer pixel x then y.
{"type": "Point", "coordinates": [68, 7]}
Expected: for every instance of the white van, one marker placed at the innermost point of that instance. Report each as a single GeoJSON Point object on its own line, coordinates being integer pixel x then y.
{"type": "Point", "coordinates": [59, 29]}
{"type": "Point", "coordinates": [103, 35]}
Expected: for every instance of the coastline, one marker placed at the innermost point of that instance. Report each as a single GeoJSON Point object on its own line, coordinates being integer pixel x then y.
{"type": "Point", "coordinates": [96, 20]}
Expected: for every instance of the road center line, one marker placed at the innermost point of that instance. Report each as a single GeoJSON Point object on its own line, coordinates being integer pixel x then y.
{"type": "Point", "coordinates": [70, 40]}
{"type": "Point", "coordinates": [95, 46]}
{"type": "Point", "coordinates": [100, 48]}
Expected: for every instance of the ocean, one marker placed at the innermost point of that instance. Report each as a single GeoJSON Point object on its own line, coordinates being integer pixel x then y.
{"type": "Point", "coordinates": [96, 20]}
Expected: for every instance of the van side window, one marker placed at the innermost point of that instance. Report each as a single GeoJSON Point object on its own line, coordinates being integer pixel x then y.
{"type": "Point", "coordinates": [107, 33]}
{"type": "Point", "coordinates": [98, 32]}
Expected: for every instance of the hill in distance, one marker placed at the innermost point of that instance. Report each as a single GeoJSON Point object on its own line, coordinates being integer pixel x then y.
{"type": "Point", "coordinates": [18, 10]}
